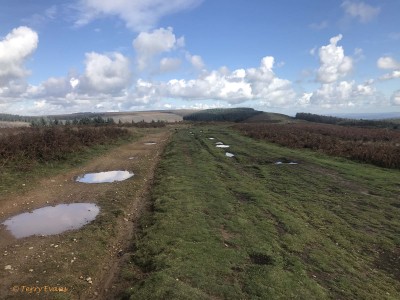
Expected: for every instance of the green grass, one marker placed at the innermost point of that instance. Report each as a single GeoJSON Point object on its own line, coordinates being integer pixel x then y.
{"type": "Point", "coordinates": [245, 228]}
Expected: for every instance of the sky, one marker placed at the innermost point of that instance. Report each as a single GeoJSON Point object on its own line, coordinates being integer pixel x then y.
{"type": "Point", "coordinates": [336, 56]}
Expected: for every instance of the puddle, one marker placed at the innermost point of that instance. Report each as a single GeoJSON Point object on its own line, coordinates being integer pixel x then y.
{"type": "Point", "coordinates": [289, 163]}
{"type": "Point", "coordinates": [150, 143]}
{"type": "Point", "coordinates": [103, 177]}
{"type": "Point", "coordinates": [219, 143]}
{"type": "Point", "coordinates": [229, 154]}
{"type": "Point", "coordinates": [130, 158]}
{"type": "Point", "coordinates": [51, 220]}
{"type": "Point", "coordinates": [222, 146]}
{"type": "Point", "coordinates": [211, 138]}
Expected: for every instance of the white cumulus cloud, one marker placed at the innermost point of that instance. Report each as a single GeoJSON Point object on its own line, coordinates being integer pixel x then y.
{"type": "Point", "coordinates": [393, 75]}
{"type": "Point", "coordinates": [138, 15]}
{"type": "Point", "coordinates": [196, 61]}
{"type": "Point", "coordinates": [106, 73]}
{"type": "Point", "coordinates": [168, 64]}
{"type": "Point", "coordinates": [389, 63]}
{"type": "Point", "coordinates": [15, 49]}
{"type": "Point", "coordinates": [360, 10]}
{"type": "Point", "coordinates": [333, 90]}
{"type": "Point", "coordinates": [52, 87]}
{"type": "Point", "coordinates": [334, 64]}
{"type": "Point", "coordinates": [74, 82]}
{"type": "Point", "coordinates": [305, 99]}
{"type": "Point", "coordinates": [345, 94]}
{"type": "Point", "coordinates": [150, 44]}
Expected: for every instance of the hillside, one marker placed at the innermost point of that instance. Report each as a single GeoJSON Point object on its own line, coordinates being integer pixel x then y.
{"type": "Point", "coordinates": [223, 115]}
{"type": "Point", "coordinates": [268, 117]}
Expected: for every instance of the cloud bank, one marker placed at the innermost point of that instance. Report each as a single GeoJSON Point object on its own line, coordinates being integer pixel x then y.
{"type": "Point", "coordinates": [234, 87]}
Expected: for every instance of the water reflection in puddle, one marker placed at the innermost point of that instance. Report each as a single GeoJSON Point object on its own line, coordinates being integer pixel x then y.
{"type": "Point", "coordinates": [103, 177]}
{"type": "Point", "coordinates": [52, 219]}
{"type": "Point", "coordinates": [229, 154]}
{"type": "Point", "coordinates": [222, 146]}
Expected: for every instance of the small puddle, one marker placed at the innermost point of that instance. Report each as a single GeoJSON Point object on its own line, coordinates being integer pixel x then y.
{"type": "Point", "coordinates": [211, 138]}
{"type": "Point", "coordinates": [51, 220]}
{"type": "Point", "coordinates": [289, 163]}
{"type": "Point", "coordinates": [150, 143]}
{"type": "Point", "coordinates": [229, 154]}
{"type": "Point", "coordinates": [104, 177]}
{"type": "Point", "coordinates": [219, 143]}
{"type": "Point", "coordinates": [222, 146]}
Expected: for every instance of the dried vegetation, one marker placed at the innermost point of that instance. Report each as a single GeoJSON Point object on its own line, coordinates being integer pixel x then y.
{"type": "Point", "coordinates": [380, 147]}
{"type": "Point", "coordinates": [43, 144]}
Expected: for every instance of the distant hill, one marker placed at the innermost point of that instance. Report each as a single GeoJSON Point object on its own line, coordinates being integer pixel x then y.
{"type": "Point", "coordinates": [347, 122]}
{"type": "Point", "coordinates": [223, 115]}
{"type": "Point", "coordinates": [127, 117]}
{"type": "Point", "coordinates": [268, 117]}
{"type": "Point", "coordinates": [369, 116]}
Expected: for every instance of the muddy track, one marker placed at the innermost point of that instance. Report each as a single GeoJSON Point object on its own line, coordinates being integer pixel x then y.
{"type": "Point", "coordinates": [96, 251]}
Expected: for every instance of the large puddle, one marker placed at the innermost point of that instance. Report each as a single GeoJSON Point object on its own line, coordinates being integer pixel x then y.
{"type": "Point", "coordinates": [104, 177]}
{"type": "Point", "coordinates": [51, 220]}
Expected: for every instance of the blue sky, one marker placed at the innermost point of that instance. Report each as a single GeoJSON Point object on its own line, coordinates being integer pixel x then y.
{"type": "Point", "coordinates": [283, 56]}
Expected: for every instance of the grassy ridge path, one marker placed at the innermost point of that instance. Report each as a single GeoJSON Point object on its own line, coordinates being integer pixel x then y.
{"type": "Point", "coordinates": [247, 228]}
{"type": "Point", "coordinates": [68, 259]}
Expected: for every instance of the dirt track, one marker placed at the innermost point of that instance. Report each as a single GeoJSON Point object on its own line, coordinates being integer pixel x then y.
{"type": "Point", "coordinates": [67, 260]}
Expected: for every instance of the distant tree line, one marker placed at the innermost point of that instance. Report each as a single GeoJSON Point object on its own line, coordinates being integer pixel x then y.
{"type": "Point", "coordinates": [346, 122]}
{"type": "Point", "coordinates": [78, 119]}
{"type": "Point", "coordinates": [96, 121]}
{"type": "Point", "coordinates": [222, 115]}
{"type": "Point", "coordinates": [15, 118]}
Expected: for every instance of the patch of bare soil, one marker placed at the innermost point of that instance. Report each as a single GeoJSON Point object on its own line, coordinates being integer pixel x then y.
{"type": "Point", "coordinates": [389, 261]}
{"type": "Point", "coordinates": [79, 264]}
